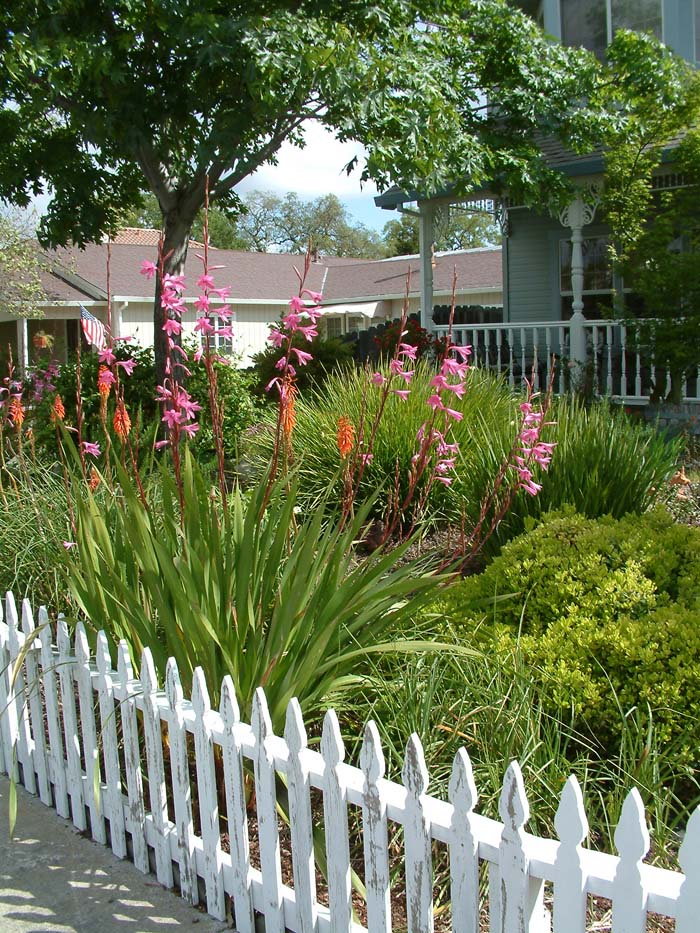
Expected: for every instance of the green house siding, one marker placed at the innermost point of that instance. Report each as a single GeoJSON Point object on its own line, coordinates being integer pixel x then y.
{"type": "Point", "coordinates": [531, 267]}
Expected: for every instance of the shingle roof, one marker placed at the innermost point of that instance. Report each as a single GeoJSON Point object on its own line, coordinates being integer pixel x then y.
{"type": "Point", "coordinates": [82, 274]}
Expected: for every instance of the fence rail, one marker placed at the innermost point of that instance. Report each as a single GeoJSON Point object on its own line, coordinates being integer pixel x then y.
{"type": "Point", "coordinates": [615, 364]}
{"type": "Point", "coordinates": [89, 740]}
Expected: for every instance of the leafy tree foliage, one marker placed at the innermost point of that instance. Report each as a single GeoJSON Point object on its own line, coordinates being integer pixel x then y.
{"type": "Point", "coordinates": [452, 231]}
{"type": "Point", "coordinates": [102, 98]}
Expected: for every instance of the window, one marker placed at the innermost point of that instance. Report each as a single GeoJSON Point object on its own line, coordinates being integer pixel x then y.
{"type": "Point", "coordinates": [334, 327]}
{"type": "Point", "coordinates": [221, 344]}
{"type": "Point", "coordinates": [597, 277]}
{"type": "Point", "coordinates": [593, 23]}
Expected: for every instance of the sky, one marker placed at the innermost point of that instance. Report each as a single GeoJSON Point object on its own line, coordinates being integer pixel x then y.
{"type": "Point", "coordinates": [319, 169]}
{"type": "Point", "coordinates": [313, 171]}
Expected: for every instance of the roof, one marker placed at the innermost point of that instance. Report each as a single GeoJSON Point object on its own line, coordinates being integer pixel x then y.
{"type": "Point", "coordinates": [81, 274]}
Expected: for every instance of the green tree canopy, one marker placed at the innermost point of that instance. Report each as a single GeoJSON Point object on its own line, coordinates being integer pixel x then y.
{"type": "Point", "coordinates": [103, 98]}
{"type": "Point", "coordinates": [459, 230]}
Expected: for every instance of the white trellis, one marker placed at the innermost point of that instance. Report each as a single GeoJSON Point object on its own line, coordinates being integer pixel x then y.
{"type": "Point", "coordinates": [87, 739]}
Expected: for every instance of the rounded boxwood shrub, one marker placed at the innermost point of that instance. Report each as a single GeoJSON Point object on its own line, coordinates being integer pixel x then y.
{"type": "Point", "coordinates": [605, 612]}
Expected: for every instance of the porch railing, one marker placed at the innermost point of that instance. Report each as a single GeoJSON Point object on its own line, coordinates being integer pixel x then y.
{"type": "Point", "coordinates": [616, 365]}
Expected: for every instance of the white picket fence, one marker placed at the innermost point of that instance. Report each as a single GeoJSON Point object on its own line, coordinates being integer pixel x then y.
{"type": "Point", "coordinates": [89, 740]}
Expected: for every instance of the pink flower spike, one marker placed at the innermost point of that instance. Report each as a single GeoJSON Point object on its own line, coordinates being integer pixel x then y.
{"type": "Point", "coordinates": [161, 444]}
{"type": "Point", "coordinates": [402, 394]}
{"type": "Point", "coordinates": [202, 304]}
{"type": "Point", "coordinates": [92, 449]}
{"type": "Point", "coordinates": [176, 282]}
{"type": "Point", "coordinates": [302, 357]}
{"type": "Point", "coordinates": [127, 365]}
{"type": "Point", "coordinates": [378, 379]}
{"type": "Point", "coordinates": [148, 269]}
{"type": "Point", "coordinates": [172, 417]}
{"type": "Point", "coordinates": [69, 544]}
{"type": "Point", "coordinates": [407, 349]}
{"type": "Point", "coordinates": [106, 356]}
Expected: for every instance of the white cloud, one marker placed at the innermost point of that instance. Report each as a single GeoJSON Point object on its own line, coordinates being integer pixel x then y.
{"type": "Point", "coordinates": [318, 168]}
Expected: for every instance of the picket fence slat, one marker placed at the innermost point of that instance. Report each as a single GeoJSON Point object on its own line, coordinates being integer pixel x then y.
{"type": "Point", "coordinates": [335, 814]}
{"type": "Point", "coordinates": [18, 695]}
{"type": "Point", "coordinates": [146, 730]}
{"type": "Point", "coordinates": [266, 801]}
{"type": "Point", "coordinates": [208, 802]}
{"type": "Point", "coordinates": [74, 769]}
{"type": "Point", "coordinates": [36, 713]}
{"type": "Point", "coordinates": [236, 809]}
{"type": "Point", "coordinates": [89, 731]}
{"type": "Point", "coordinates": [182, 789]}
{"type": "Point", "coordinates": [136, 818]}
{"type": "Point", "coordinates": [108, 730]}
{"type": "Point", "coordinates": [53, 718]}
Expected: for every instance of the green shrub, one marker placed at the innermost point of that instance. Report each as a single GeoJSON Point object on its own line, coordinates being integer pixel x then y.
{"type": "Point", "coordinates": [606, 613]}
{"type": "Point", "coordinates": [328, 357]}
{"type": "Point", "coordinates": [603, 463]}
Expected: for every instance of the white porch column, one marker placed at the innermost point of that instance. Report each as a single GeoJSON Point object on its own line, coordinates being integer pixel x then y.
{"type": "Point", "coordinates": [576, 215]}
{"type": "Point", "coordinates": [22, 345]}
{"type": "Point", "coordinates": [425, 240]}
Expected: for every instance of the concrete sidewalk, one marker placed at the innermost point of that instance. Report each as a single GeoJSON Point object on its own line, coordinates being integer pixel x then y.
{"type": "Point", "coordinates": [54, 879]}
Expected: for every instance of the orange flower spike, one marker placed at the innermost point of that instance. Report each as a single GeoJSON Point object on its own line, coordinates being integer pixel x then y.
{"type": "Point", "coordinates": [16, 412]}
{"type": "Point", "coordinates": [289, 415]}
{"type": "Point", "coordinates": [105, 381]}
{"type": "Point", "coordinates": [94, 480]}
{"type": "Point", "coordinates": [58, 411]}
{"type": "Point", "coordinates": [122, 421]}
{"type": "Point", "coordinates": [346, 436]}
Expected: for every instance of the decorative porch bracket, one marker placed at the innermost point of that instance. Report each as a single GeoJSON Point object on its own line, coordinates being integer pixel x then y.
{"type": "Point", "coordinates": [576, 216]}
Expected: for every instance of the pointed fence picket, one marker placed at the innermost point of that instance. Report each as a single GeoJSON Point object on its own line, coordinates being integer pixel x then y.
{"type": "Point", "coordinates": [117, 752]}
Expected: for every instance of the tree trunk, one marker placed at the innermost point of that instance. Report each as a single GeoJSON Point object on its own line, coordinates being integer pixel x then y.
{"type": "Point", "coordinates": [176, 228]}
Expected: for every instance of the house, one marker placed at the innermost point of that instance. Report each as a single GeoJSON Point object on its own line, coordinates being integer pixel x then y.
{"type": "Point", "coordinates": [355, 292]}
{"type": "Point", "coordinates": [558, 284]}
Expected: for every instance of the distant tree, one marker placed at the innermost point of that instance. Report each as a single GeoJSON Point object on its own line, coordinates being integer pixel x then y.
{"type": "Point", "coordinates": [21, 265]}
{"type": "Point", "coordinates": [463, 230]}
{"type": "Point", "coordinates": [270, 222]}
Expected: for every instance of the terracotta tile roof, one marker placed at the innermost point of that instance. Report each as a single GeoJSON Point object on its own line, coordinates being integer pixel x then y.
{"type": "Point", "coordinates": [140, 236]}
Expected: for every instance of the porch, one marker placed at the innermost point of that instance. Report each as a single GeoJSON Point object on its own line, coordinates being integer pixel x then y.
{"type": "Point", "coordinates": [600, 358]}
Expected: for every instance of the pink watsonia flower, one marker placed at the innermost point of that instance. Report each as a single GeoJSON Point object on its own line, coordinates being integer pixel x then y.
{"type": "Point", "coordinates": [185, 402]}
{"type": "Point", "coordinates": [202, 304]}
{"type": "Point", "coordinates": [224, 312]}
{"type": "Point", "coordinates": [297, 305]}
{"type": "Point", "coordinates": [453, 413]}
{"type": "Point", "coordinates": [222, 293]}
{"type": "Point", "coordinates": [302, 356]}
{"type": "Point", "coordinates": [92, 449]}
{"type": "Point", "coordinates": [273, 382]}
{"type": "Point", "coordinates": [439, 382]}
{"type": "Point", "coordinates": [172, 326]}
{"type": "Point", "coordinates": [172, 417]}
{"type": "Point", "coordinates": [175, 282]}
{"type": "Point", "coordinates": [205, 281]}
{"type": "Point", "coordinates": [69, 544]}
{"type": "Point", "coordinates": [530, 487]}
{"type": "Point", "coordinates": [276, 338]}
{"type": "Point", "coordinates": [366, 458]}
{"type": "Point", "coordinates": [161, 444]}
{"type": "Point", "coordinates": [462, 352]}
{"type": "Point", "coordinates": [198, 354]}
{"type": "Point", "coordinates": [224, 331]}
{"type": "Point", "coordinates": [281, 363]}
{"type": "Point", "coordinates": [443, 466]}
{"type": "Point", "coordinates": [190, 429]}
{"type": "Point", "coordinates": [127, 365]}
{"type": "Point", "coordinates": [377, 379]}
{"type": "Point", "coordinates": [309, 331]}
{"type": "Point", "coordinates": [148, 269]}
{"type": "Point", "coordinates": [204, 325]}
{"type": "Point", "coordinates": [451, 367]}
{"type": "Point", "coordinates": [292, 321]}
{"type": "Point", "coordinates": [407, 376]}
{"type": "Point", "coordinates": [458, 388]}
{"type": "Point", "coordinates": [314, 314]}
{"type": "Point", "coordinates": [106, 356]}
{"type": "Point", "coordinates": [402, 393]}
{"type": "Point", "coordinates": [435, 402]}
{"type": "Point", "coordinates": [408, 350]}
{"type": "Point", "coordinates": [316, 297]}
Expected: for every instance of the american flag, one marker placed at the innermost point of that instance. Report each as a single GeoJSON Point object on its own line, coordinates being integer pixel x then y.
{"type": "Point", "coordinates": [93, 329]}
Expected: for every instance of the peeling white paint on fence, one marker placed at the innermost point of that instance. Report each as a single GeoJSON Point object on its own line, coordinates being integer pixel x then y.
{"type": "Point", "coordinates": [138, 769]}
